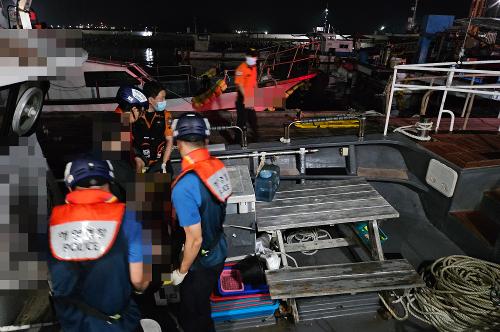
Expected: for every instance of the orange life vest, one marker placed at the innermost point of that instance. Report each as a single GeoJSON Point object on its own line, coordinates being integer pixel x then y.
{"type": "Point", "coordinates": [211, 172]}
{"type": "Point", "coordinates": [86, 227]}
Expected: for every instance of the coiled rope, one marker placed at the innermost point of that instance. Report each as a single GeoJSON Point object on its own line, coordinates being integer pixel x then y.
{"type": "Point", "coordinates": [463, 294]}
{"type": "Point", "coordinates": [309, 235]}
{"type": "Point", "coordinates": [418, 127]}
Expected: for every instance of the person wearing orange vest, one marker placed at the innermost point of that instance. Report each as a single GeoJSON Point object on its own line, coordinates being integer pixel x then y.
{"type": "Point", "coordinates": [95, 259]}
{"type": "Point", "coordinates": [199, 196]}
{"type": "Point", "coordinates": [245, 79]}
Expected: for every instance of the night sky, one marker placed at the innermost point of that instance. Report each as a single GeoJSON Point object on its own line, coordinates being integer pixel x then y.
{"type": "Point", "coordinates": [276, 16]}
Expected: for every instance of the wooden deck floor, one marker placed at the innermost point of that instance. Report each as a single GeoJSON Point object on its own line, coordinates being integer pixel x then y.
{"type": "Point", "coordinates": [467, 150]}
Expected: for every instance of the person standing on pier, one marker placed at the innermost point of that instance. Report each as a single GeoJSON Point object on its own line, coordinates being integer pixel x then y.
{"type": "Point", "coordinates": [246, 81]}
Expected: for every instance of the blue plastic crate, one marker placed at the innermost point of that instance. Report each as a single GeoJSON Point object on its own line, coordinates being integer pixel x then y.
{"type": "Point", "coordinates": [240, 304]}
{"type": "Point", "coordinates": [229, 315]}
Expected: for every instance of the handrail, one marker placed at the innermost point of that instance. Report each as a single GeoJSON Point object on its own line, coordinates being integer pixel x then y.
{"type": "Point", "coordinates": [243, 132]}
{"type": "Point", "coordinates": [452, 123]}
{"type": "Point", "coordinates": [453, 70]}
{"type": "Point", "coordinates": [361, 124]}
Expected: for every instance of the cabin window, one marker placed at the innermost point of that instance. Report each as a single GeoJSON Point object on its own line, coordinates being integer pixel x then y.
{"type": "Point", "coordinates": [344, 45]}
{"type": "Point", "coordinates": [109, 79]}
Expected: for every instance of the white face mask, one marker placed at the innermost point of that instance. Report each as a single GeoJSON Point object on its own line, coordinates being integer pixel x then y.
{"type": "Point", "coordinates": [251, 61]}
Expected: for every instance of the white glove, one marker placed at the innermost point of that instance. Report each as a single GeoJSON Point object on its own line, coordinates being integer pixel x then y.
{"type": "Point", "coordinates": [178, 277]}
{"type": "Point", "coordinates": [164, 168]}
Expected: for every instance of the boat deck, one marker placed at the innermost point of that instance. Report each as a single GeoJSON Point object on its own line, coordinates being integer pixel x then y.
{"type": "Point", "coordinates": [467, 150]}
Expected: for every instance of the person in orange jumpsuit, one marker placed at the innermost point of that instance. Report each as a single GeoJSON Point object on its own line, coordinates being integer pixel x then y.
{"type": "Point", "coordinates": [246, 82]}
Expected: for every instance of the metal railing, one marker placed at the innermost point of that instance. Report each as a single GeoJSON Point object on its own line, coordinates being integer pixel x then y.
{"type": "Point", "coordinates": [452, 72]}
{"type": "Point", "coordinates": [274, 57]}
{"type": "Point", "coordinates": [243, 132]}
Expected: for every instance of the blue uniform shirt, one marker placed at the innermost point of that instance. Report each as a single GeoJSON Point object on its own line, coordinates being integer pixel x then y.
{"type": "Point", "coordinates": [187, 199]}
{"type": "Point", "coordinates": [132, 230]}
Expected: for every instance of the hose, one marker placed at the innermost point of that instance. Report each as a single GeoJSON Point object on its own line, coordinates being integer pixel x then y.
{"type": "Point", "coordinates": [464, 295]}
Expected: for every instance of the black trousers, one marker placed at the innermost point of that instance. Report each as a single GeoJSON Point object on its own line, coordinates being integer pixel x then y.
{"type": "Point", "coordinates": [195, 311]}
{"type": "Point", "coordinates": [245, 115]}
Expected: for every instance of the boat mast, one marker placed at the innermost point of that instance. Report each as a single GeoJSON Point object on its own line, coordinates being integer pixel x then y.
{"type": "Point", "coordinates": [412, 20]}
{"type": "Point", "coordinates": [325, 23]}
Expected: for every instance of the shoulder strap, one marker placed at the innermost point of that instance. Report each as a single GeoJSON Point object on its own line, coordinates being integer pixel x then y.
{"type": "Point", "coordinates": [86, 309]}
{"type": "Point", "coordinates": [205, 251]}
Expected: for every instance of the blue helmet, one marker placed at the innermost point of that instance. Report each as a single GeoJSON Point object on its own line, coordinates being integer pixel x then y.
{"type": "Point", "coordinates": [88, 172]}
{"type": "Point", "coordinates": [130, 96]}
{"type": "Point", "coordinates": [192, 126]}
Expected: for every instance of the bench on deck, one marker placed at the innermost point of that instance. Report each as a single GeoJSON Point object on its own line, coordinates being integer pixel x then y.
{"type": "Point", "coordinates": [351, 278]}
{"type": "Point", "coordinates": [327, 204]}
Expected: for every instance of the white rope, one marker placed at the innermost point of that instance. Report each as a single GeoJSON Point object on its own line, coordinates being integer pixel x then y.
{"type": "Point", "coordinates": [287, 255]}
{"type": "Point", "coordinates": [419, 126]}
{"type": "Point", "coordinates": [372, 113]}
{"type": "Point", "coordinates": [464, 296]}
{"type": "Point", "coordinates": [308, 235]}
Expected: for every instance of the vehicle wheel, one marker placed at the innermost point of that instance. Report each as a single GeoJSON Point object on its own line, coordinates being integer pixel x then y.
{"type": "Point", "coordinates": [27, 112]}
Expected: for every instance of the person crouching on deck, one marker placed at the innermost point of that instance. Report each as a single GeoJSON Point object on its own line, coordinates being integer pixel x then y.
{"type": "Point", "coordinates": [95, 258]}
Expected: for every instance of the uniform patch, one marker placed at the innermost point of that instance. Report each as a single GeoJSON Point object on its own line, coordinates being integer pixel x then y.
{"type": "Point", "coordinates": [82, 240]}
{"type": "Point", "coordinates": [220, 184]}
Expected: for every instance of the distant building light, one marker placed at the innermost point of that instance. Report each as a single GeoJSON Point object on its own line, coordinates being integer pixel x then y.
{"type": "Point", "coordinates": [265, 32]}
{"type": "Point", "coordinates": [146, 33]}
{"type": "Point", "coordinates": [149, 55]}
{"type": "Point", "coordinates": [382, 28]}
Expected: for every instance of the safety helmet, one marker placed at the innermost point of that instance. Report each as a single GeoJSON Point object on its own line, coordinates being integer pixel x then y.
{"type": "Point", "coordinates": [130, 96]}
{"type": "Point", "coordinates": [88, 172]}
{"type": "Point", "coordinates": [191, 125]}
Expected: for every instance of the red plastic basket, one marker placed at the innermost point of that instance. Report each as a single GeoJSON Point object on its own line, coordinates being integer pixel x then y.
{"type": "Point", "coordinates": [231, 281]}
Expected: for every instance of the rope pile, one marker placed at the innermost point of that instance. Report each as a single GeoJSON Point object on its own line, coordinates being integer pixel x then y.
{"type": "Point", "coordinates": [463, 294]}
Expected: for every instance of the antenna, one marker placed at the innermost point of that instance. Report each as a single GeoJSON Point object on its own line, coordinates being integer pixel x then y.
{"type": "Point", "coordinates": [325, 23]}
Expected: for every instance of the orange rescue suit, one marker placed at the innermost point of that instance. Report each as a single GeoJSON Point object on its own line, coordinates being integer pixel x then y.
{"type": "Point", "coordinates": [246, 77]}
